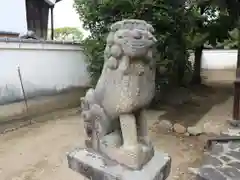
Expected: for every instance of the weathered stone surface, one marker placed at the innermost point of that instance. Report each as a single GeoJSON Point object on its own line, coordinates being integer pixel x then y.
{"type": "Point", "coordinates": [237, 149]}
{"type": "Point", "coordinates": [223, 161]}
{"type": "Point", "coordinates": [234, 123]}
{"type": "Point", "coordinates": [217, 149]}
{"type": "Point", "coordinates": [210, 160]}
{"type": "Point", "coordinates": [195, 131]}
{"type": "Point", "coordinates": [97, 167]}
{"type": "Point", "coordinates": [231, 132]}
{"type": "Point", "coordinates": [178, 128]}
{"type": "Point", "coordinates": [235, 164]}
{"type": "Point", "coordinates": [126, 86]}
{"type": "Point", "coordinates": [225, 158]}
{"type": "Point", "coordinates": [234, 154]}
{"type": "Point", "coordinates": [208, 173]}
{"type": "Point", "coordinates": [234, 145]}
{"type": "Point", "coordinates": [230, 172]}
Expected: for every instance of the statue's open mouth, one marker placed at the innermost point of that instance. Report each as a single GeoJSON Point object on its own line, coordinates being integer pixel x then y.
{"type": "Point", "coordinates": [137, 48]}
{"type": "Point", "coordinates": [138, 44]}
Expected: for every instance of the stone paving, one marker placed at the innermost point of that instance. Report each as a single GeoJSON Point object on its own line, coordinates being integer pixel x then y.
{"type": "Point", "coordinates": [222, 162]}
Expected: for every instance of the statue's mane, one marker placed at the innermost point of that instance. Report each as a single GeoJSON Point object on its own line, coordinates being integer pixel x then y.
{"type": "Point", "coordinates": [132, 24]}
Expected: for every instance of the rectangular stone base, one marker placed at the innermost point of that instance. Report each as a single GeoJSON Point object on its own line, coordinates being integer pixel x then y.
{"type": "Point", "coordinates": [96, 167]}
{"type": "Point", "coordinates": [232, 131]}
{"type": "Point", "coordinates": [234, 122]}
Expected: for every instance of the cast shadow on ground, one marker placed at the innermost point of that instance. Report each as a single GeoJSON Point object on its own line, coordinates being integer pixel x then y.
{"type": "Point", "coordinates": [202, 99]}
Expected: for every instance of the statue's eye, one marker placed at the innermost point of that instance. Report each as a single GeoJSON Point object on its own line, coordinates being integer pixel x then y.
{"type": "Point", "coordinates": [150, 38]}
{"type": "Point", "coordinates": [120, 36]}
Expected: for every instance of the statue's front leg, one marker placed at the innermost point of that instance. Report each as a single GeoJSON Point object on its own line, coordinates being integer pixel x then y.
{"type": "Point", "coordinates": [132, 153]}
{"type": "Point", "coordinates": [143, 129]}
{"type": "Point", "coordinates": [129, 130]}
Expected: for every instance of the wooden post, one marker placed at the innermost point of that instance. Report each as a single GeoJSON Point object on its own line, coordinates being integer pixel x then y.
{"type": "Point", "coordinates": [52, 23]}
{"type": "Point", "coordinates": [236, 115]}
{"type": "Point", "coordinates": [236, 99]}
{"type": "Point", "coordinates": [23, 91]}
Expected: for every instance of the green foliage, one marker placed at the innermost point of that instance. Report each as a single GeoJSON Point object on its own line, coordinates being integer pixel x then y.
{"type": "Point", "coordinates": [218, 18]}
{"type": "Point", "coordinates": [68, 33]}
{"type": "Point", "coordinates": [210, 23]}
{"type": "Point", "coordinates": [94, 49]}
{"type": "Point", "coordinates": [179, 25]}
{"type": "Point", "coordinates": [232, 42]}
{"type": "Point", "coordinates": [211, 20]}
{"type": "Point", "coordinates": [169, 18]}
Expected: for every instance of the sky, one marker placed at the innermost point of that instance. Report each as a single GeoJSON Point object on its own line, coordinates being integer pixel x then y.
{"type": "Point", "coordinates": [66, 16]}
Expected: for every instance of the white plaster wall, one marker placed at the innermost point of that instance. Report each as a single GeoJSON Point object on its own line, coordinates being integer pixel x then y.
{"type": "Point", "coordinates": [13, 16]}
{"type": "Point", "coordinates": [219, 59]}
{"type": "Point", "coordinates": [53, 67]}
{"type": "Point", "coordinates": [43, 66]}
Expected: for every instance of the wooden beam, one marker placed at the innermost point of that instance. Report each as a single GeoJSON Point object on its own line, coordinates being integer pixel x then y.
{"type": "Point", "coordinates": [51, 2]}
{"type": "Point", "coordinates": [236, 101]}
{"type": "Point", "coordinates": [52, 23]}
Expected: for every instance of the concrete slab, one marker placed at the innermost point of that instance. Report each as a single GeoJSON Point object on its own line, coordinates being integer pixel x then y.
{"type": "Point", "coordinates": [97, 167]}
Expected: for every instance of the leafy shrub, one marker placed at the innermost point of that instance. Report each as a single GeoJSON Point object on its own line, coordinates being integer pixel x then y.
{"type": "Point", "coordinates": [171, 23]}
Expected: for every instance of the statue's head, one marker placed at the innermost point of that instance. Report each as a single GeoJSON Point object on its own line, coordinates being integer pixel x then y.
{"type": "Point", "coordinates": [134, 37]}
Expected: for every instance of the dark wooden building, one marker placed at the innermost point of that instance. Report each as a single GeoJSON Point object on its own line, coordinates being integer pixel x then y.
{"type": "Point", "coordinates": [37, 16]}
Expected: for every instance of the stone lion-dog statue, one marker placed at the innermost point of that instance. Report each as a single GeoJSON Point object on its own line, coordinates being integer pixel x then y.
{"type": "Point", "coordinates": [113, 111]}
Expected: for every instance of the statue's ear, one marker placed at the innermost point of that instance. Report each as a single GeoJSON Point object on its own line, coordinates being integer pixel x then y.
{"type": "Point", "coordinates": [110, 38]}
{"type": "Point", "coordinates": [154, 39]}
{"type": "Point", "coordinates": [116, 26]}
{"type": "Point", "coordinates": [150, 28]}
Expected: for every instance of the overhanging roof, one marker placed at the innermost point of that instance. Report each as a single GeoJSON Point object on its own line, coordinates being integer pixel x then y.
{"type": "Point", "coordinates": [52, 2]}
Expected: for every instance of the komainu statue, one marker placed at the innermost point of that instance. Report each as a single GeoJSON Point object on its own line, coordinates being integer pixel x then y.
{"type": "Point", "coordinates": [112, 112]}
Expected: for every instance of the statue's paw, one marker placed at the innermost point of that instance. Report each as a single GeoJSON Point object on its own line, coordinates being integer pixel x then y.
{"type": "Point", "coordinates": [82, 99]}
{"type": "Point", "coordinates": [90, 91]}
{"type": "Point", "coordinates": [84, 103]}
{"type": "Point", "coordinates": [89, 97]}
{"type": "Point", "coordinates": [96, 109]}
{"type": "Point", "coordinates": [86, 115]}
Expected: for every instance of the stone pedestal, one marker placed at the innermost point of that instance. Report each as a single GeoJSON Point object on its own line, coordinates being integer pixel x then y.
{"type": "Point", "coordinates": [96, 167]}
